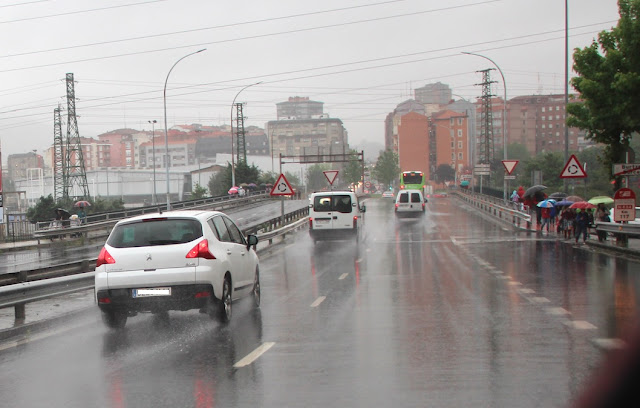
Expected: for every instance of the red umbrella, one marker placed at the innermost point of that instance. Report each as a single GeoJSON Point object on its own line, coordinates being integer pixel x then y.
{"type": "Point", "coordinates": [583, 205]}
{"type": "Point", "coordinates": [82, 204]}
{"type": "Point", "coordinates": [233, 190]}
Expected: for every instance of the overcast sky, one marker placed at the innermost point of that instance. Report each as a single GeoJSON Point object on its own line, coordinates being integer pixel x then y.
{"type": "Point", "coordinates": [360, 57]}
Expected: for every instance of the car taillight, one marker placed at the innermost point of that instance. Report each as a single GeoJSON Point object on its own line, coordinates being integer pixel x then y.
{"type": "Point", "coordinates": [310, 222]}
{"type": "Point", "coordinates": [104, 258]}
{"type": "Point", "coordinates": [201, 250]}
{"type": "Point", "coordinates": [355, 221]}
{"type": "Point", "coordinates": [396, 206]}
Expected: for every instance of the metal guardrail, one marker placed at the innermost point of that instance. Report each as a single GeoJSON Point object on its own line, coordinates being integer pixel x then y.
{"type": "Point", "coordinates": [497, 209]}
{"type": "Point", "coordinates": [108, 220]}
{"type": "Point", "coordinates": [618, 228]}
{"type": "Point", "coordinates": [38, 285]}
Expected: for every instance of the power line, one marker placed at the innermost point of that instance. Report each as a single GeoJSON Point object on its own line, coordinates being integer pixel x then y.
{"type": "Point", "coordinates": [243, 38]}
{"type": "Point", "coordinates": [78, 12]}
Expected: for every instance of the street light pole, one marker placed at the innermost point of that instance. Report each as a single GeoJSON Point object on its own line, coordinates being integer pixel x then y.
{"type": "Point", "coordinates": [233, 167]}
{"type": "Point", "coordinates": [504, 116]}
{"type": "Point", "coordinates": [153, 144]}
{"type": "Point", "coordinates": [166, 131]}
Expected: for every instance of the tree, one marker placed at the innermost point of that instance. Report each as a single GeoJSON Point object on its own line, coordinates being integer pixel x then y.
{"type": "Point", "coordinates": [387, 170]}
{"type": "Point", "coordinates": [352, 171]}
{"type": "Point", "coordinates": [315, 177]}
{"type": "Point", "coordinates": [198, 191]}
{"type": "Point", "coordinates": [246, 174]}
{"type": "Point", "coordinates": [445, 172]}
{"type": "Point", "coordinates": [44, 210]}
{"type": "Point", "coordinates": [608, 82]}
{"type": "Point", "coordinates": [220, 182]}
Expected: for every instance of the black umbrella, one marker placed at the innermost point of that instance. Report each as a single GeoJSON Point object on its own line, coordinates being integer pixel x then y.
{"type": "Point", "coordinates": [64, 213]}
{"type": "Point", "coordinates": [558, 195]}
{"type": "Point", "coordinates": [531, 191]}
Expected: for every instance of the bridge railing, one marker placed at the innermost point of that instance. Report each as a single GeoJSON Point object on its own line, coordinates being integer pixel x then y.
{"type": "Point", "coordinates": [497, 208]}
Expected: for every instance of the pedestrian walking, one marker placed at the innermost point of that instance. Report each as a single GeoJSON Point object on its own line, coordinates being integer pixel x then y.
{"type": "Point", "coordinates": [582, 224]}
{"type": "Point", "coordinates": [545, 215]}
{"type": "Point", "coordinates": [602, 215]}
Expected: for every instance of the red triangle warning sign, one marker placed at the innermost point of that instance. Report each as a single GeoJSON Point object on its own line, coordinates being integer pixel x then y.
{"type": "Point", "coordinates": [573, 169]}
{"type": "Point", "coordinates": [281, 187]}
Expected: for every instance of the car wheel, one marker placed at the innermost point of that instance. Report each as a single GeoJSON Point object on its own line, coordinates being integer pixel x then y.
{"type": "Point", "coordinates": [114, 320]}
{"type": "Point", "coordinates": [256, 289]}
{"type": "Point", "coordinates": [224, 305]}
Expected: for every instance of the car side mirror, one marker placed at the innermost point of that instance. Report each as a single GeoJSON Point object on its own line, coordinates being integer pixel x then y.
{"type": "Point", "coordinates": [364, 208]}
{"type": "Point", "coordinates": [252, 241]}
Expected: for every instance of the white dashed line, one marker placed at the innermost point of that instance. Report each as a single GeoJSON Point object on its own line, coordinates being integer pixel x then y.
{"type": "Point", "coordinates": [253, 356]}
{"type": "Point", "coordinates": [318, 301]}
{"type": "Point", "coordinates": [610, 344]}
{"type": "Point", "coordinates": [580, 325]}
{"type": "Point", "coordinates": [540, 299]}
{"type": "Point", "coordinates": [344, 275]}
{"type": "Point", "coordinates": [558, 311]}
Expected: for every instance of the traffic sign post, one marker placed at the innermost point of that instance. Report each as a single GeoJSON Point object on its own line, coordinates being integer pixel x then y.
{"type": "Point", "coordinates": [509, 165]}
{"type": "Point", "coordinates": [330, 175]}
{"type": "Point", "coordinates": [624, 203]}
{"type": "Point", "coordinates": [281, 188]}
{"type": "Point", "coordinates": [573, 169]}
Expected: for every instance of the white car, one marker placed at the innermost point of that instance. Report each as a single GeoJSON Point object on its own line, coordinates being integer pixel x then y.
{"type": "Point", "coordinates": [410, 202]}
{"type": "Point", "coordinates": [387, 194]}
{"type": "Point", "coordinates": [176, 260]}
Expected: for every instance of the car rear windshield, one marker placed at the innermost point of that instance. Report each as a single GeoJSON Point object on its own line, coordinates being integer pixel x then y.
{"type": "Point", "coordinates": [415, 198]}
{"type": "Point", "coordinates": [340, 203]}
{"type": "Point", "coordinates": [150, 232]}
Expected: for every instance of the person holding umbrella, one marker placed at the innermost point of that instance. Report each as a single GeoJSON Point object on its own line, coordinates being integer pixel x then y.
{"type": "Point", "coordinates": [582, 224]}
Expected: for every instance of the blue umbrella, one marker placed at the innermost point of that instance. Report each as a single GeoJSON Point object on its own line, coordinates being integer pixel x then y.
{"type": "Point", "coordinates": [548, 203]}
{"type": "Point", "coordinates": [564, 203]}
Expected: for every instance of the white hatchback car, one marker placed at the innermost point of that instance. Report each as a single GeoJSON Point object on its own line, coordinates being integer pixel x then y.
{"type": "Point", "coordinates": [410, 202]}
{"type": "Point", "coordinates": [177, 260]}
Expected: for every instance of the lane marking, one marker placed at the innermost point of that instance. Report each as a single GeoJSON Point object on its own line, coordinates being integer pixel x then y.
{"type": "Point", "coordinates": [318, 301]}
{"type": "Point", "coordinates": [558, 311]}
{"type": "Point", "coordinates": [540, 300]}
{"type": "Point", "coordinates": [610, 344]}
{"type": "Point", "coordinates": [254, 355]}
{"type": "Point", "coordinates": [580, 325]}
{"type": "Point", "coordinates": [526, 291]}
{"type": "Point", "coordinates": [359, 260]}
{"type": "Point", "coordinates": [344, 275]}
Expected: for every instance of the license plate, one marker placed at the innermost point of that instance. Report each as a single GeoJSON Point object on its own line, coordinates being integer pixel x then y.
{"type": "Point", "coordinates": [138, 293]}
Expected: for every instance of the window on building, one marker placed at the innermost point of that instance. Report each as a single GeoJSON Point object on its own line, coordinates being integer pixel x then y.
{"type": "Point", "coordinates": [544, 118]}
{"type": "Point", "coordinates": [452, 144]}
{"type": "Point", "coordinates": [459, 121]}
{"type": "Point", "coordinates": [543, 108]}
{"type": "Point", "coordinates": [459, 132]}
{"type": "Point", "coordinates": [451, 121]}
{"type": "Point", "coordinates": [460, 145]}
{"type": "Point", "coordinates": [459, 156]}
{"type": "Point", "coordinates": [453, 156]}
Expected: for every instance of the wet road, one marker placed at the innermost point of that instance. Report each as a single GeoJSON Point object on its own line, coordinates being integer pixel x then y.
{"type": "Point", "coordinates": [441, 311]}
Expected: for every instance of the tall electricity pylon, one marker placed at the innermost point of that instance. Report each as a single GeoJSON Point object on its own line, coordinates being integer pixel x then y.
{"type": "Point", "coordinates": [58, 156]}
{"type": "Point", "coordinates": [241, 146]}
{"type": "Point", "coordinates": [74, 171]}
{"type": "Point", "coordinates": [485, 144]}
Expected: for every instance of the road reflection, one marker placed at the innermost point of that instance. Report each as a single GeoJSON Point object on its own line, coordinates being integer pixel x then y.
{"type": "Point", "coordinates": [186, 360]}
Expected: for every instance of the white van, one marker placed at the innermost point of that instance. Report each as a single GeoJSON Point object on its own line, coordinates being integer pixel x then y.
{"type": "Point", "coordinates": [335, 215]}
{"type": "Point", "coordinates": [410, 202]}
